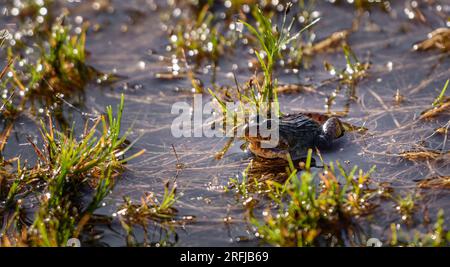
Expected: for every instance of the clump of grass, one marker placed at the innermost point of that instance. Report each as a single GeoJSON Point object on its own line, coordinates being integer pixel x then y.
{"type": "Point", "coordinates": [199, 39]}
{"type": "Point", "coordinates": [149, 209]}
{"type": "Point", "coordinates": [406, 205]}
{"type": "Point", "coordinates": [66, 166]}
{"type": "Point", "coordinates": [255, 97]}
{"type": "Point", "coordinates": [59, 70]}
{"type": "Point", "coordinates": [272, 43]}
{"type": "Point", "coordinates": [349, 77]}
{"type": "Point", "coordinates": [438, 236]}
{"type": "Point", "coordinates": [33, 15]}
{"type": "Point", "coordinates": [354, 70]}
{"type": "Point", "coordinates": [307, 212]}
{"type": "Point", "coordinates": [246, 185]}
{"type": "Point", "coordinates": [48, 67]}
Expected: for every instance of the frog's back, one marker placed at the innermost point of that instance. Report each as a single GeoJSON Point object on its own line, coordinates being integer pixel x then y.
{"type": "Point", "coordinates": [299, 132]}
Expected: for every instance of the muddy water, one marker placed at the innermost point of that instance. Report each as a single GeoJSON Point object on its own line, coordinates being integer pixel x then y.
{"type": "Point", "coordinates": [385, 40]}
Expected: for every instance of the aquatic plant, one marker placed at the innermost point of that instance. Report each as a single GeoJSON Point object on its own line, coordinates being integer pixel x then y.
{"type": "Point", "coordinates": [354, 70]}
{"type": "Point", "coordinates": [246, 185]}
{"type": "Point", "coordinates": [349, 77]}
{"type": "Point", "coordinates": [438, 236]}
{"type": "Point", "coordinates": [198, 39]}
{"type": "Point", "coordinates": [406, 205]}
{"type": "Point", "coordinates": [439, 105]}
{"type": "Point", "coordinates": [150, 206]}
{"type": "Point", "coordinates": [149, 210]}
{"type": "Point", "coordinates": [262, 97]}
{"type": "Point", "coordinates": [66, 166]}
{"type": "Point", "coordinates": [271, 43]}
{"type": "Point", "coordinates": [59, 70]}
{"type": "Point", "coordinates": [307, 212]}
{"type": "Point", "coordinates": [48, 61]}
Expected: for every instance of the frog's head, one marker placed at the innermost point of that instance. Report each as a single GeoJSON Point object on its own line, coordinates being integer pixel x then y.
{"type": "Point", "coordinates": [335, 127]}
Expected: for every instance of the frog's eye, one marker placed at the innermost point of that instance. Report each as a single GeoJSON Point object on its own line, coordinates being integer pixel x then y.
{"type": "Point", "coordinates": [334, 125]}
{"type": "Point", "coordinates": [339, 129]}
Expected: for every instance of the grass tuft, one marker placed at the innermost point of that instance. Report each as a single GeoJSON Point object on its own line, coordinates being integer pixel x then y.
{"type": "Point", "coordinates": [308, 211]}
{"type": "Point", "coordinates": [66, 166]}
{"type": "Point", "coordinates": [150, 209]}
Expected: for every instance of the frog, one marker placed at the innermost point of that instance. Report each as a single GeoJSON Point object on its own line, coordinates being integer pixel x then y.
{"type": "Point", "coordinates": [298, 132]}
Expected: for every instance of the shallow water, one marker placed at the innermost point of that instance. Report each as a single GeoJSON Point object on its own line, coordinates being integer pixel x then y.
{"type": "Point", "coordinates": [418, 76]}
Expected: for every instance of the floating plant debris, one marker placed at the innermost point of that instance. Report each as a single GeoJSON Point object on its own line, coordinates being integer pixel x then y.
{"type": "Point", "coordinates": [437, 39]}
{"type": "Point", "coordinates": [440, 105]}
{"type": "Point", "coordinates": [330, 43]}
{"type": "Point", "coordinates": [424, 155]}
{"type": "Point", "coordinates": [436, 182]}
